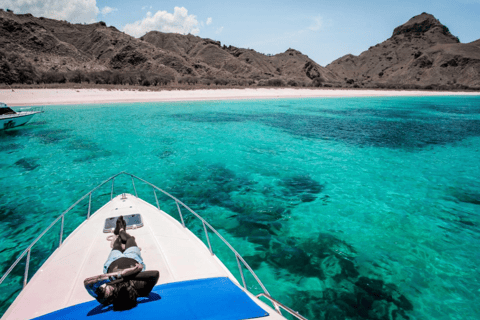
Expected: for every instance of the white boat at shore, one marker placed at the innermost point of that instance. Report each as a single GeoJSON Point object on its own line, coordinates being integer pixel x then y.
{"type": "Point", "coordinates": [10, 118]}
{"type": "Point", "coordinates": [194, 283]}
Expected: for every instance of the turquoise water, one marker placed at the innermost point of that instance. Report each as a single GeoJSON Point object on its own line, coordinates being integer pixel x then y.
{"type": "Point", "coordinates": [352, 208]}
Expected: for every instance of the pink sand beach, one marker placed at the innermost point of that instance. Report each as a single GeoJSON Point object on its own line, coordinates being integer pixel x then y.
{"type": "Point", "coordinates": [30, 97]}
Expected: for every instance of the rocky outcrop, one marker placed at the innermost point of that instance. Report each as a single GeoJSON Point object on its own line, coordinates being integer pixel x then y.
{"type": "Point", "coordinates": [421, 53]}
{"type": "Point", "coordinates": [239, 62]}
{"type": "Point", "coordinates": [51, 45]}
{"type": "Point", "coordinates": [48, 45]}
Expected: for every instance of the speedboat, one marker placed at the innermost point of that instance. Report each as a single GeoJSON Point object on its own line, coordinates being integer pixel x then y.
{"type": "Point", "coordinates": [10, 118]}
{"type": "Point", "coordinates": [194, 283]}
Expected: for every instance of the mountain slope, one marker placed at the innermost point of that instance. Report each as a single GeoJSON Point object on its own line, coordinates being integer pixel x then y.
{"type": "Point", "coordinates": [421, 52]}
{"type": "Point", "coordinates": [52, 45]}
{"type": "Point", "coordinates": [45, 45]}
{"type": "Point", "coordinates": [291, 64]}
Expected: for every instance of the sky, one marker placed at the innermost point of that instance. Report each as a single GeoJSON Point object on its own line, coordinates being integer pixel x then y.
{"type": "Point", "coordinates": [323, 30]}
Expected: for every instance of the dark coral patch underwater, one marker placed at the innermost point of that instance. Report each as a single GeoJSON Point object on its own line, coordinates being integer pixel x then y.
{"type": "Point", "coordinates": [409, 128]}
{"type": "Point", "coordinates": [260, 211]}
{"type": "Point", "coordinates": [408, 133]}
{"type": "Point", "coordinates": [302, 187]}
{"type": "Point", "coordinates": [345, 293]}
{"type": "Point", "coordinates": [252, 210]}
{"type": "Point", "coordinates": [11, 147]}
{"type": "Point", "coordinates": [214, 117]}
{"type": "Point", "coordinates": [27, 164]}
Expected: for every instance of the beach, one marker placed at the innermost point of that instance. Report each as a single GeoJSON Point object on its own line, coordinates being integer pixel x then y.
{"type": "Point", "coordinates": [31, 97]}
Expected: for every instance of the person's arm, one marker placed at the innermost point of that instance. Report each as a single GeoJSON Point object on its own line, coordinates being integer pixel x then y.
{"type": "Point", "coordinates": [92, 283]}
{"type": "Point", "coordinates": [145, 281]}
{"type": "Point", "coordinates": [132, 271]}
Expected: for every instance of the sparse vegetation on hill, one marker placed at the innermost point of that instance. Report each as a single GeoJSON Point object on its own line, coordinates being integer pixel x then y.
{"type": "Point", "coordinates": [421, 54]}
{"type": "Point", "coordinates": [57, 51]}
{"type": "Point", "coordinates": [14, 69]}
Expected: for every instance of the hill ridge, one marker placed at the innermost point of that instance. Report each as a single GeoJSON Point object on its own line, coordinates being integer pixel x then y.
{"type": "Point", "coordinates": [48, 45]}
{"type": "Point", "coordinates": [420, 53]}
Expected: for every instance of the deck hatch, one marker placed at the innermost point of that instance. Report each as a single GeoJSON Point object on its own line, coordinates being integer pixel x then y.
{"type": "Point", "coordinates": [212, 298]}
{"type": "Point", "coordinates": [134, 221]}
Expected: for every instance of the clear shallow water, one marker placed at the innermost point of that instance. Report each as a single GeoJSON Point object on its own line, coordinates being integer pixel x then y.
{"type": "Point", "coordinates": [358, 208]}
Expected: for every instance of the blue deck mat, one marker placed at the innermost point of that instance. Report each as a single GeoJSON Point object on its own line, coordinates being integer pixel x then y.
{"type": "Point", "coordinates": [213, 298]}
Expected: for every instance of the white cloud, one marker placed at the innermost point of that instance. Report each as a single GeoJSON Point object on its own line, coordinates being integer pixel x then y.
{"type": "Point", "coordinates": [209, 21]}
{"type": "Point", "coordinates": [317, 24]}
{"type": "Point", "coordinates": [106, 10]}
{"type": "Point", "coordinates": [180, 22]}
{"type": "Point", "coordinates": [71, 10]}
{"type": "Point", "coordinates": [219, 30]}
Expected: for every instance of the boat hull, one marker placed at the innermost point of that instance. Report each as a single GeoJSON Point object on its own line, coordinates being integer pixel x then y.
{"type": "Point", "coordinates": [16, 120]}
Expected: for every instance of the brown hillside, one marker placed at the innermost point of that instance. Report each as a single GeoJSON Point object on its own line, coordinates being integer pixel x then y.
{"type": "Point", "coordinates": [240, 62]}
{"type": "Point", "coordinates": [52, 45]}
{"type": "Point", "coordinates": [421, 52]}
{"type": "Point", "coordinates": [40, 45]}
{"type": "Point", "coordinates": [475, 43]}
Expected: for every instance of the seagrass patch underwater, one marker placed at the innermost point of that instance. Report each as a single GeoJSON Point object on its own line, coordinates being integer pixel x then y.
{"type": "Point", "coordinates": [346, 208]}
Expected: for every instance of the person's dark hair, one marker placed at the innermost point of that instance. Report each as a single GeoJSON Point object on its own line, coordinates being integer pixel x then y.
{"type": "Point", "coordinates": [124, 296]}
{"type": "Point", "coordinates": [100, 292]}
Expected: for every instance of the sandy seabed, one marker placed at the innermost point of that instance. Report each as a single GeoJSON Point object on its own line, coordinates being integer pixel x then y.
{"type": "Point", "coordinates": [30, 97]}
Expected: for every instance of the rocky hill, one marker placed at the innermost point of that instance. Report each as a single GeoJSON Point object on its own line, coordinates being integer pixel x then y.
{"type": "Point", "coordinates": [421, 53]}
{"type": "Point", "coordinates": [206, 53]}
{"type": "Point", "coordinates": [31, 46]}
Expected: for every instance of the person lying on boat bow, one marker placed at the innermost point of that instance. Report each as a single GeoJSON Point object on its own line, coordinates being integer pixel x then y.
{"type": "Point", "coordinates": [123, 279]}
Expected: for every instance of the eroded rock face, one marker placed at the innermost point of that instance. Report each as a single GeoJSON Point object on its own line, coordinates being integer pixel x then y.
{"type": "Point", "coordinates": [425, 24]}
{"type": "Point", "coordinates": [421, 53]}
{"type": "Point", "coordinates": [291, 64]}
{"type": "Point", "coordinates": [52, 45]}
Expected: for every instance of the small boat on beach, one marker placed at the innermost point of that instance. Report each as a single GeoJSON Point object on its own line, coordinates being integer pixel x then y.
{"type": "Point", "coordinates": [193, 284]}
{"type": "Point", "coordinates": [10, 118]}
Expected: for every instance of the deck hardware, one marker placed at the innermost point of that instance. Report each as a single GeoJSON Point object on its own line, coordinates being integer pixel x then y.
{"type": "Point", "coordinates": [241, 272]}
{"type": "Point", "coordinates": [180, 213]}
{"type": "Point", "coordinates": [156, 199]}
{"type": "Point", "coordinates": [111, 194]}
{"type": "Point", "coordinates": [89, 205]}
{"type": "Point", "coordinates": [61, 231]}
{"type": "Point", "coordinates": [134, 189]}
{"type": "Point", "coordinates": [54, 222]}
{"type": "Point", "coordinates": [27, 264]}
{"type": "Point", "coordinates": [208, 239]}
{"type": "Point", "coordinates": [284, 307]}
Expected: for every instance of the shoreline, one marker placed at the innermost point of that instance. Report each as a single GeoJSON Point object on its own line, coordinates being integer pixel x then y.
{"type": "Point", "coordinates": [44, 97]}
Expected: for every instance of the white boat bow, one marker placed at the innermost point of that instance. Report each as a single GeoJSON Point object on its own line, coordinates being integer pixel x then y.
{"type": "Point", "coordinates": [166, 245]}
